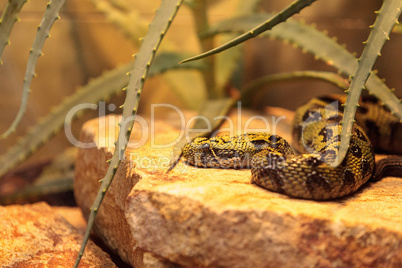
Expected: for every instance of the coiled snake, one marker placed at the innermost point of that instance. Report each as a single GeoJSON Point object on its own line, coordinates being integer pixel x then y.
{"type": "Point", "coordinates": [316, 134]}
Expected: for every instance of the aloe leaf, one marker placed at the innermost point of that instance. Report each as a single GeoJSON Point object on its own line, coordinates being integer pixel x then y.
{"type": "Point", "coordinates": [282, 16]}
{"type": "Point", "coordinates": [143, 60]}
{"type": "Point", "coordinates": [55, 177]}
{"type": "Point", "coordinates": [221, 67]}
{"type": "Point", "coordinates": [57, 185]}
{"type": "Point", "coordinates": [100, 88]}
{"type": "Point", "coordinates": [199, 11]}
{"type": "Point", "coordinates": [225, 64]}
{"type": "Point", "coordinates": [60, 167]}
{"type": "Point", "coordinates": [251, 90]}
{"type": "Point", "coordinates": [49, 17]}
{"type": "Point", "coordinates": [397, 28]}
{"type": "Point", "coordinates": [228, 61]}
{"type": "Point", "coordinates": [317, 43]}
{"type": "Point", "coordinates": [8, 18]}
{"type": "Point", "coordinates": [386, 18]}
{"type": "Point", "coordinates": [128, 20]}
{"type": "Point", "coordinates": [168, 61]}
{"type": "Point", "coordinates": [187, 85]}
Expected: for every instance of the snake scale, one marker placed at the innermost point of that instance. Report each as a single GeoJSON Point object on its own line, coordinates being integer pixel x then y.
{"type": "Point", "coordinates": [316, 136]}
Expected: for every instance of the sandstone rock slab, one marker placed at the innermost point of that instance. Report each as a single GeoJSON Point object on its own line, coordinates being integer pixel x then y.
{"type": "Point", "coordinates": [217, 218]}
{"type": "Point", "coordinates": [110, 224]}
{"type": "Point", "coordinates": [36, 236]}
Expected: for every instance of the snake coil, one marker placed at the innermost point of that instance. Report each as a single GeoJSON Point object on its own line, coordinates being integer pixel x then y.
{"type": "Point", "coordinates": [316, 135]}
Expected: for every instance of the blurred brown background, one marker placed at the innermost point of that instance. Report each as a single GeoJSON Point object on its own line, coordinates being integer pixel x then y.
{"type": "Point", "coordinates": [84, 43]}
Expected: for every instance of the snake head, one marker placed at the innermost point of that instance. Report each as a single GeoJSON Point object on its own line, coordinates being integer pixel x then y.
{"type": "Point", "coordinates": [193, 151]}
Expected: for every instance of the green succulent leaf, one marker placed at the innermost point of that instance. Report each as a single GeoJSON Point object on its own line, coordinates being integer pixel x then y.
{"type": "Point", "coordinates": [57, 177]}
{"type": "Point", "coordinates": [143, 60]}
{"type": "Point", "coordinates": [168, 61]}
{"type": "Point", "coordinates": [49, 17]}
{"type": "Point", "coordinates": [250, 91]}
{"type": "Point", "coordinates": [227, 62]}
{"type": "Point", "coordinates": [8, 18]}
{"type": "Point", "coordinates": [282, 16]}
{"type": "Point", "coordinates": [98, 89]}
{"type": "Point", "coordinates": [317, 43]}
{"type": "Point", "coordinates": [386, 19]}
{"type": "Point", "coordinates": [126, 19]}
{"type": "Point", "coordinates": [322, 47]}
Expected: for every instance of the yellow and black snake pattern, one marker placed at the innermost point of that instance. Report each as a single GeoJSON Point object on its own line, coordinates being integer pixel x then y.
{"type": "Point", "coordinates": [316, 136]}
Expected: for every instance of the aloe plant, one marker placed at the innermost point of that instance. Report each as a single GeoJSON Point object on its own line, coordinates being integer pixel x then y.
{"type": "Point", "coordinates": [126, 19]}
{"type": "Point", "coordinates": [387, 17]}
{"type": "Point", "coordinates": [252, 89]}
{"type": "Point", "coordinates": [216, 71]}
{"type": "Point", "coordinates": [143, 60]}
{"type": "Point", "coordinates": [9, 17]}
{"type": "Point", "coordinates": [50, 16]}
{"type": "Point", "coordinates": [282, 16]}
{"type": "Point", "coordinates": [309, 39]}
{"type": "Point", "coordinates": [100, 88]}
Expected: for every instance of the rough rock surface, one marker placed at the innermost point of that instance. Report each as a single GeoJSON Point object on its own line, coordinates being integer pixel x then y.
{"type": "Point", "coordinates": [215, 217]}
{"type": "Point", "coordinates": [73, 215]}
{"type": "Point", "coordinates": [110, 224]}
{"type": "Point", "coordinates": [37, 236]}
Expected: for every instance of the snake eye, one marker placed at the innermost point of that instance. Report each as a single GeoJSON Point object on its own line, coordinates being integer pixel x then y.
{"type": "Point", "coordinates": [205, 146]}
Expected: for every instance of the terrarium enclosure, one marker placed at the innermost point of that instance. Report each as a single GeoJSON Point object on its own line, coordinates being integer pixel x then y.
{"type": "Point", "coordinates": [66, 62]}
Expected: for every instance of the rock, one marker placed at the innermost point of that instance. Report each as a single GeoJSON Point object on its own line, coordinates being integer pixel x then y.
{"type": "Point", "coordinates": [216, 218]}
{"type": "Point", "coordinates": [110, 224]}
{"type": "Point", "coordinates": [36, 236]}
{"type": "Point", "coordinates": [73, 215]}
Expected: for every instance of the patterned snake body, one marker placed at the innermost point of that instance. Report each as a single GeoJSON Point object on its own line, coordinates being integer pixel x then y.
{"type": "Point", "coordinates": [316, 134]}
